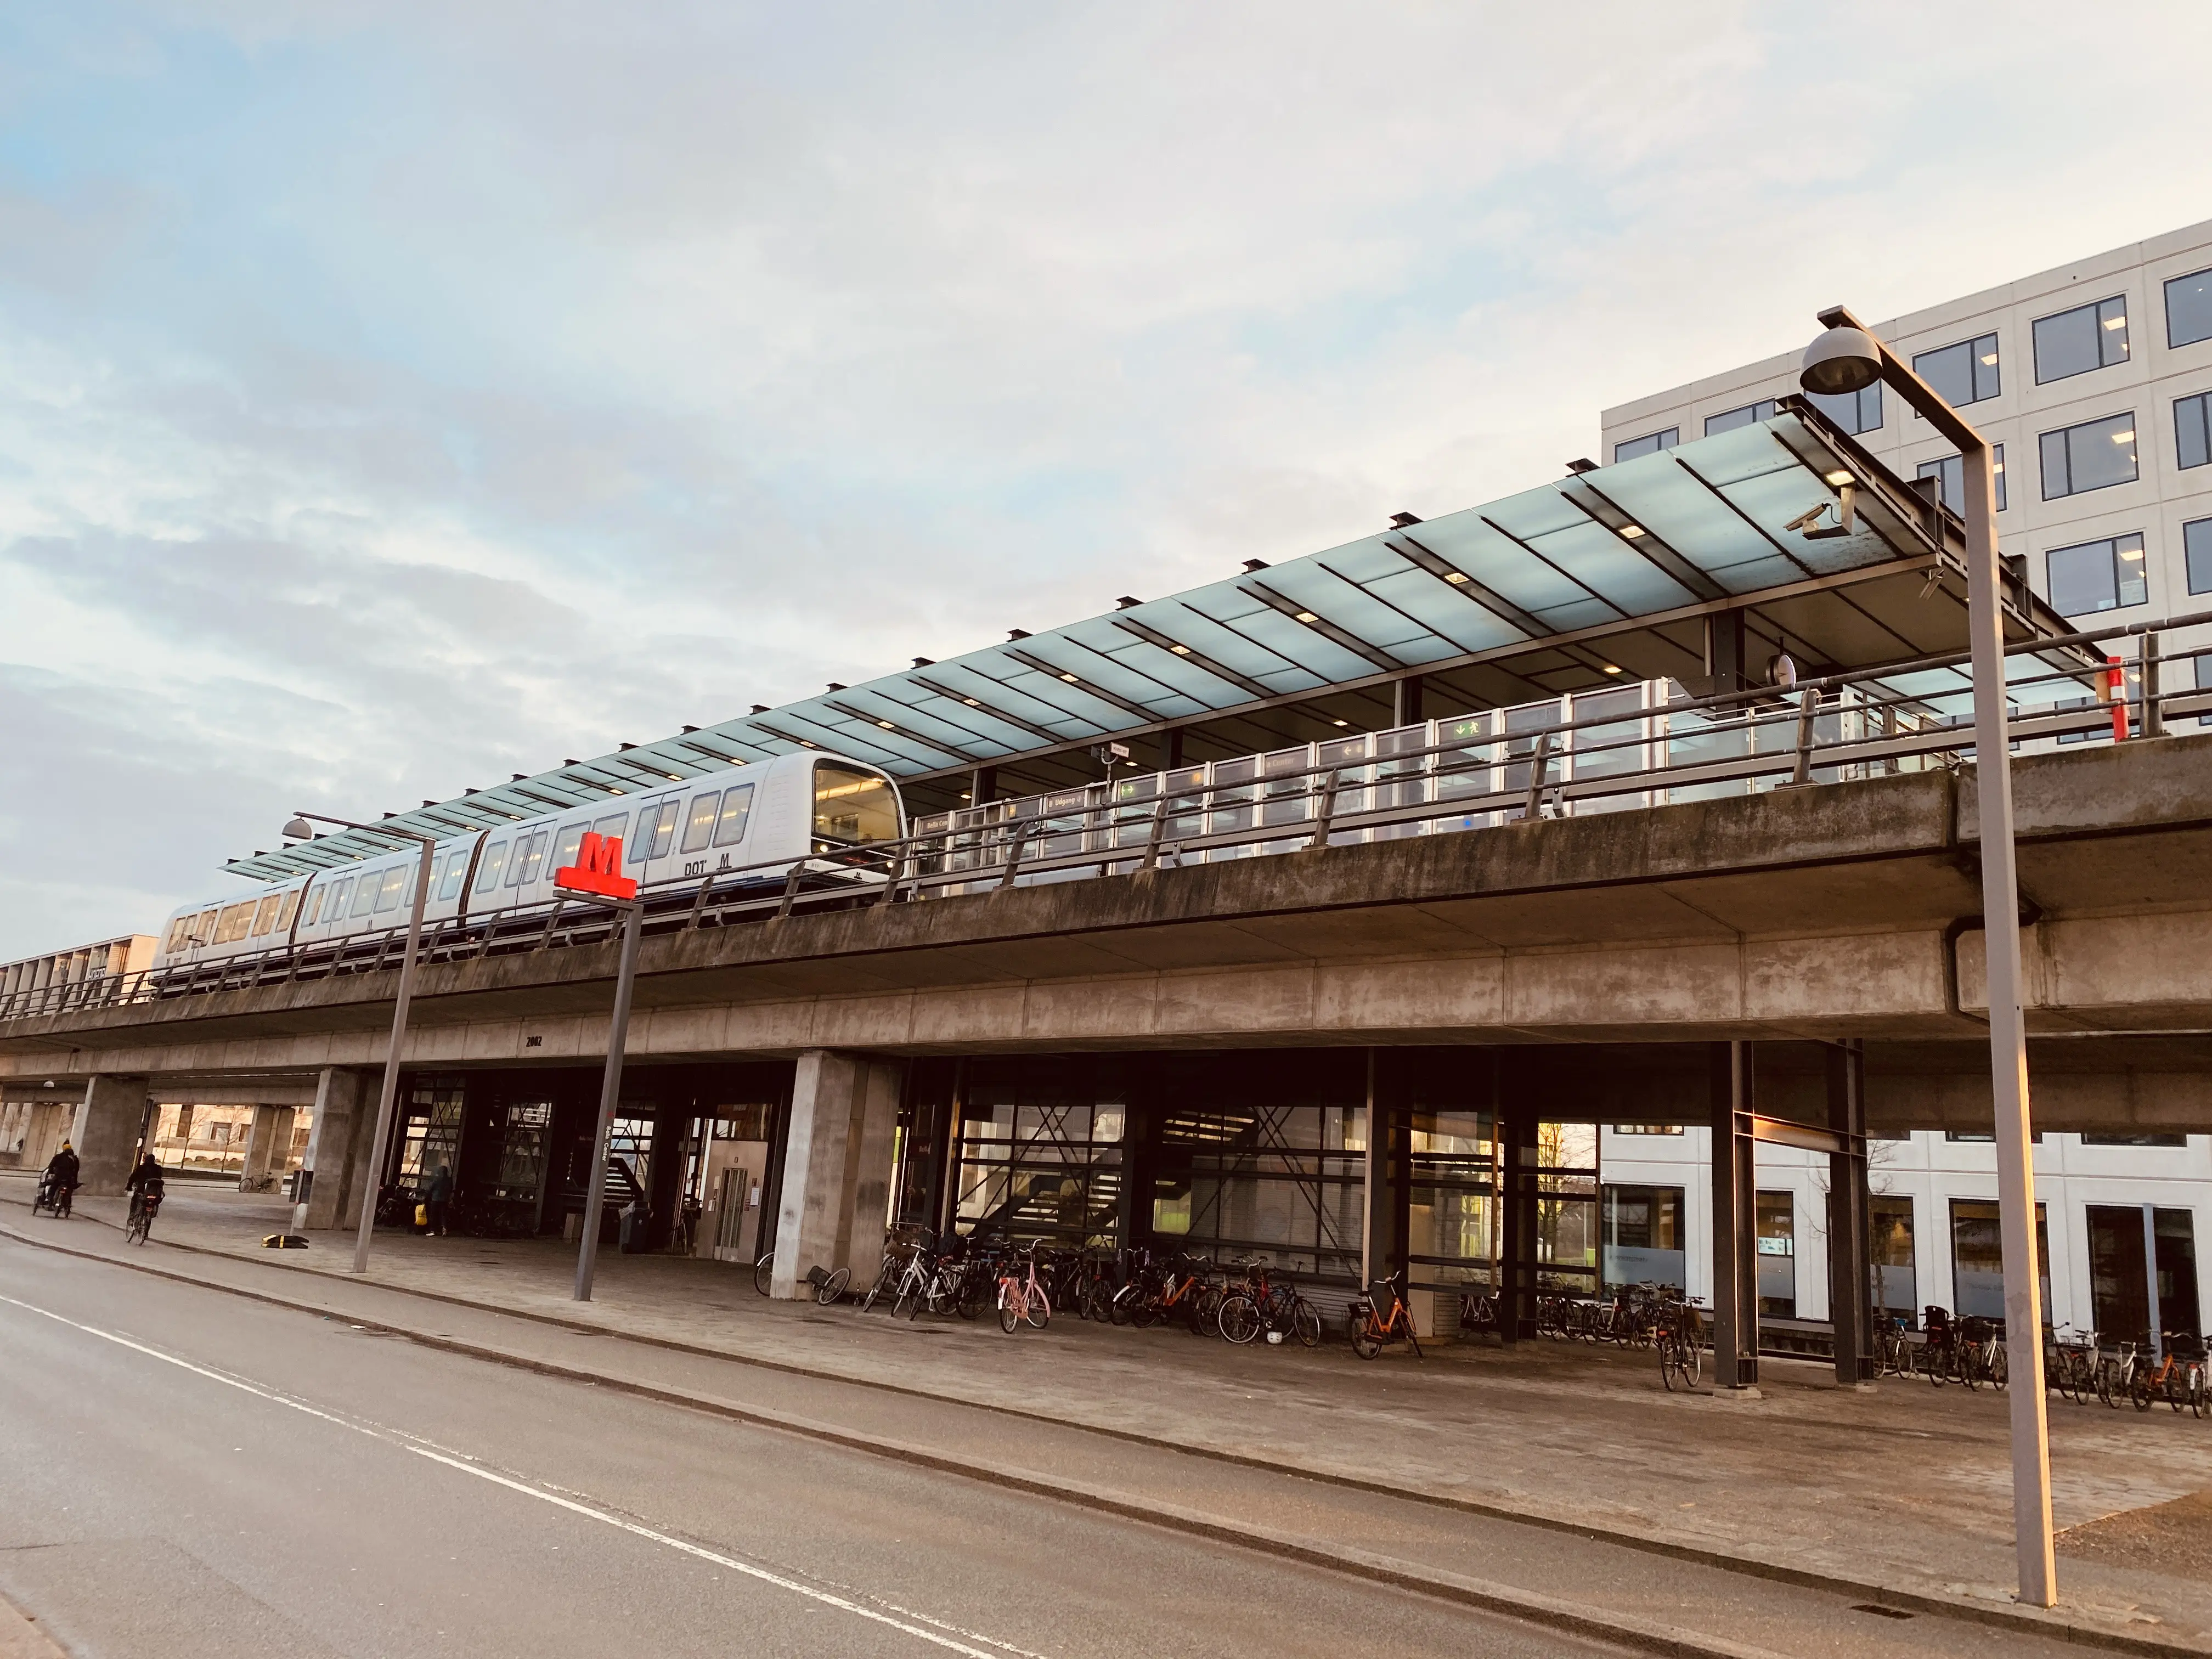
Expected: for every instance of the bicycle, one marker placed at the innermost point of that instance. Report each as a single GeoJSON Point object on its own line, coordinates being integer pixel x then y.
{"type": "Point", "coordinates": [1478, 1311]}
{"type": "Point", "coordinates": [1021, 1299]}
{"type": "Point", "coordinates": [2116, 1375]}
{"type": "Point", "coordinates": [1678, 1334]}
{"type": "Point", "coordinates": [2073, 1364]}
{"type": "Point", "coordinates": [898, 1262]}
{"type": "Point", "coordinates": [1372, 1329]}
{"type": "Point", "coordinates": [2177, 1381]}
{"type": "Point", "coordinates": [1892, 1349]}
{"type": "Point", "coordinates": [764, 1272]}
{"type": "Point", "coordinates": [145, 1206]}
{"type": "Point", "coordinates": [53, 1197]}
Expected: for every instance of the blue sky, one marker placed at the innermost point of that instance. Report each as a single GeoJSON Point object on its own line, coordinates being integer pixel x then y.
{"type": "Point", "coordinates": [393, 397]}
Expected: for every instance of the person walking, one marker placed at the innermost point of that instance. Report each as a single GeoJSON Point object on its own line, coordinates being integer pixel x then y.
{"type": "Point", "coordinates": [436, 1197]}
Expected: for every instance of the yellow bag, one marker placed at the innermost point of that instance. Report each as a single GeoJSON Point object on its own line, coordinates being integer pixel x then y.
{"type": "Point", "coordinates": [422, 1215]}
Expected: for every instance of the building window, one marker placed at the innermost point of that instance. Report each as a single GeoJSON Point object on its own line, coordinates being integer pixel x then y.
{"type": "Point", "coordinates": [2189, 308]}
{"type": "Point", "coordinates": [2192, 441]}
{"type": "Point", "coordinates": [2095, 455]}
{"type": "Point", "coordinates": [2101, 576]}
{"type": "Point", "coordinates": [1892, 1252]}
{"type": "Point", "coordinates": [2196, 553]}
{"type": "Point", "coordinates": [2088, 336]}
{"type": "Point", "coordinates": [1777, 1255]}
{"type": "Point", "coordinates": [2135, 1141]}
{"type": "Point", "coordinates": [1978, 1258]}
{"type": "Point", "coordinates": [1647, 1128]}
{"type": "Point", "coordinates": [1854, 411]}
{"type": "Point", "coordinates": [1749, 414]}
{"type": "Point", "coordinates": [1966, 372]}
{"type": "Point", "coordinates": [1643, 1237]}
{"type": "Point", "coordinates": [1649, 444]}
{"type": "Point", "coordinates": [1951, 473]}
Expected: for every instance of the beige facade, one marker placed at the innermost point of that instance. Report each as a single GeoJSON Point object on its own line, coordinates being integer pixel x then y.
{"type": "Point", "coordinates": [2145, 383]}
{"type": "Point", "coordinates": [108, 959]}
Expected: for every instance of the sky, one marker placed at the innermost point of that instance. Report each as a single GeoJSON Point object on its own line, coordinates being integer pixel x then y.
{"type": "Point", "coordinates": [394, 396]}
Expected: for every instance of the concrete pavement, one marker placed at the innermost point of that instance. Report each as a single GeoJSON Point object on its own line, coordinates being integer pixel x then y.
{"type": "Point", "coordinates": [1901, 1490]}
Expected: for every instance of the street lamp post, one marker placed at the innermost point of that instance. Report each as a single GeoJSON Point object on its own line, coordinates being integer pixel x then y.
{"type": "Point", "coordinates": [595, 1191]}
{"type": "Point", "coordinates": [301, 827]}
{"type": "Point", "coordinates": [1848, 358]}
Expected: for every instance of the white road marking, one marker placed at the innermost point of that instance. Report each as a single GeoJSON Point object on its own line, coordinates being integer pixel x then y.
{"type": "Point", "coordinates": [897, 1618]}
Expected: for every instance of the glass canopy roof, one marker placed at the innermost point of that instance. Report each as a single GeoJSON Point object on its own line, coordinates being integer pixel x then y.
{"type": "Point", "coordinates": [1611, 571]}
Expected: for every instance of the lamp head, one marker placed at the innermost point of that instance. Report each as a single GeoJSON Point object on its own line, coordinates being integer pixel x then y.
{"type": "Point", "coordinates": [299, 829]}
{"type": "Point", "coordinates": [1840, 360]}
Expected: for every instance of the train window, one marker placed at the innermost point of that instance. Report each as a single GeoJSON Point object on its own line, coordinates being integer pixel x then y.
{"type": "Point", "coordinates": [291, 907]}
{"type": "Point", "coordinates": [699, 827]}
{"type": "Point", "coordinates": [737, 807]}
{"type": "Point", "coordinates": [265, 914]}
{"type": "Point", "coordinates": [364, 893]}
{"type": "Point", "coordinates": [564, 850]}
{"type": "Point", "coordinates": [529, 855]}
{"type": "Point", "coordinates": [610, 829]}
{"type": "Point", "coordinates": [656, 832]}
{"type": "Point", "coordinates": [456, 868]}
{"type": "Point", "coordinates": [335, 906]}
{"type": "Point", "coordinates": [315, 897]}
{"type": "Point", "coordinates": [495, 861]}
{"type": "Point", "coordinates": [393, 884]}
{"type": "Point", "coordinates": [230, 927]}
{"type": "Point", "coordinates": [851, 805]}
{"type": "Point", "coordinates": [180, 930]}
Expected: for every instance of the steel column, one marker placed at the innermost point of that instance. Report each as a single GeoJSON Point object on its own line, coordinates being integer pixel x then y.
{"type": "Point", "coordinates": [1735, 1240]}
{"type": "Point", "coordinates": [1850, 1223]}
{"type": "Point", "coordinates": [595, 1191]}
{"type": "Point", "coordinates": [1517, 1257]}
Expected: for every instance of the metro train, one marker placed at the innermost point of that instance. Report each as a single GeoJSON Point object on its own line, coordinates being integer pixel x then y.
{"type": "Point", "coordinates": [756, 819]}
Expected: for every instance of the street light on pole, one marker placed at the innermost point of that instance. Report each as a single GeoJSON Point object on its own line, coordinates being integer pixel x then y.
{"type": "Point", "coordinates": [302, 828]}
{"type": "Point", "coordinates": [597, 873]}
{"type": "Point", "coordinates": [1848, 358]}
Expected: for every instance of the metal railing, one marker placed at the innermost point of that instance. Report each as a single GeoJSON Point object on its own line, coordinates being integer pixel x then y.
{"type": "Point", "coordinates": [1619, 748]}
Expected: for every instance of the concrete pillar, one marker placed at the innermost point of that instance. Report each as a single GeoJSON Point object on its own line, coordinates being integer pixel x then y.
{"type": "Point", "coordinates": [106, 1133]}
{"type": "Point", "coordinates": [268, 1147]}
{"type": "Point", "coordinates": [826, 1095]}
{"type": "Point", "coordinates": [1406, 700]}
{"type": "Point", "coordinates": [1735, 1221]}
{"type": "Point", "coordinates": [1851, 1222]}
{"type": "Point", "coordinates": [339, 1149]}
{"type": "Point", "coordinates": [868, 1171]}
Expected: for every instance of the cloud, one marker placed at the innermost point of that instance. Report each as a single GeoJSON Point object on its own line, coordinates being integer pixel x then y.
{"type": "Point", "coordinates": [393, 397]}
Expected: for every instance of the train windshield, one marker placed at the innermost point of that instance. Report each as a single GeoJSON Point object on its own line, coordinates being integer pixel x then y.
{"type": "Point", "coordinates": [850, 806]}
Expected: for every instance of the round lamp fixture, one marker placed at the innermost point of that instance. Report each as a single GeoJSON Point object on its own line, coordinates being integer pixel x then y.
{"type": "Point", "coordinates": [299, 829]}
{"type": "Point", "coordinates": [1840, 360]}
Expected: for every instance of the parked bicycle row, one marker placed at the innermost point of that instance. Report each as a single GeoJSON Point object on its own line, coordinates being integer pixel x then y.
{"type": "Point", "coordinates": [2081, 1365]}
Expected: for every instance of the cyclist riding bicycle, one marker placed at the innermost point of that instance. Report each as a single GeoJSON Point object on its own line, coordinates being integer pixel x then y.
{"type": "Point", "coordinates": [60, 1179]}
{"type": "Point", "coordinates": [144, 1185]}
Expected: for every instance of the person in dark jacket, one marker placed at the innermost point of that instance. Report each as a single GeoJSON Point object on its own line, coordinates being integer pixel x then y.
{"type": "Point", "coordinates": [436, 1196]}
{"type": "Point", "coordinates": [62, 1178]}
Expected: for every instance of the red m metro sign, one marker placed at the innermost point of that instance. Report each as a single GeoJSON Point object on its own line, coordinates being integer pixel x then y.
{"type": "Point", "coordinates": [598, 869]}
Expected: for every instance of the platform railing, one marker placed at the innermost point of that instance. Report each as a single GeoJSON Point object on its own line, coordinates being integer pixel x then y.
{"type": "Point", "coordinates": [1489, 770]}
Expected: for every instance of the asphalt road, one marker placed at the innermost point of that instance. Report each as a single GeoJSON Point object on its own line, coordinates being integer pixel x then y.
{"type": "Point", "coordinates": [183, 1473]}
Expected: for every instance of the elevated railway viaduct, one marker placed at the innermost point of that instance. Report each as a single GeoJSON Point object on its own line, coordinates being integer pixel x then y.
{"type": "Point", "coordinates": [1810, 953]}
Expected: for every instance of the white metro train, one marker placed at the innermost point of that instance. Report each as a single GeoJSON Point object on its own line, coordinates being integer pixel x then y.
{"type": "Point", "coordinates": [758, 818]}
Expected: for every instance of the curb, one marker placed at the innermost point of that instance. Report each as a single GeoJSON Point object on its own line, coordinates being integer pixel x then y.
{"type": "Point", "coordinates": [1650, 1638]}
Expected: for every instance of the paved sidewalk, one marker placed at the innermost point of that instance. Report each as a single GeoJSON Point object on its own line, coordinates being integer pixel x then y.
{"type": "Point", "coordinates": [1905, 1486]}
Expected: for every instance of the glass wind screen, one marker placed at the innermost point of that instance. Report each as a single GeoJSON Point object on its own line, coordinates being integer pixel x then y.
{"type": "Point", "coordinates": [853, 807]}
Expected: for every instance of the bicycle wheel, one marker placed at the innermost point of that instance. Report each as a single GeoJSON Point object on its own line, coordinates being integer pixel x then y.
{"type": "Point", "coordinates": [909, 1300]}
{"type": "Point", "coordinates": [1144, 1312]}
{"type": "Point", "coordinates": [1098, 1307]}
{"type": "Point", "coordinates": [972, 1296]}
{"type": "Point", "coordinates": [1670, 1363]}
{"type": "Point", "coordinates": [834, 1287]}
{"type": "Point", "coordinates": [764, 1270]}
{"type": "Point", "coordinates": [1998, 1372]}
{"type": "Point", "coordinates": [1305, 1323]}
{"type": "Point", "coordinates": [1239, 1319]}
{"type": "Point", "coordinates": [1010, 1310]}
{"type": "Point", "coordinates": [1036, 1308]}
{"type": "Point", "coordinates": [876, 1291]}
{"type": "Point", "coordinates": [1365, 1342]}
{"type": "Point", "coordinates": [2139, 1392]}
